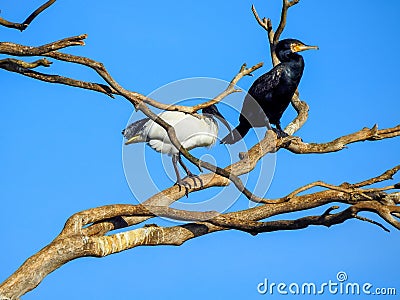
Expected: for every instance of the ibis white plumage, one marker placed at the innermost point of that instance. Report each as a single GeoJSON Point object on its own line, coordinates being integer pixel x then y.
{"type": "Point", "coordinates": [191, 131]}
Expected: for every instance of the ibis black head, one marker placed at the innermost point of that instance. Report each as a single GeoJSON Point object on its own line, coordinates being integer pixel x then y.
{"type": "Point", "coordinates": [212, 110]}
{"type": "Point", "coordinates": [286, 48]}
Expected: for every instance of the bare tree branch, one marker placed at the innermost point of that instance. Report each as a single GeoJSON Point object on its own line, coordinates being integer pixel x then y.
{"type": "Point", "coordinates": [267, 25]}
{"type": "Point", "coordinates": [302, 109]}
{"type": "Point", "coordinates": [285, 7]}
{"type": "Point", "coordinates": [372, 222]}
{"type": "Point", "coordinates": [231, 87]}
{"type": "Point", "coordinates": [22, 26]}
{"type": "Point", "coordinates": [77, 240]}
{"type": "Point", "coordinates": [21, 50]}
{"type": "Point", "coordinates": [246, 165]}
{"type": "Point", "coordinates": [366, 134]}
{"type": "Point", "coordinates": [15, 63]}
{"type": "Point", "coordinates": [24, 68]}
{"type": "Point", "coordinates": [385, 176]}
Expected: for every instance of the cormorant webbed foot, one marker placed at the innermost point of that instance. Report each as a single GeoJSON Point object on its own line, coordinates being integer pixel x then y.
{"type": "Point", "coordinates": [280, 133]}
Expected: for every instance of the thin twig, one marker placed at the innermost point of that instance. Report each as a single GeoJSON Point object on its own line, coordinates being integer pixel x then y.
{"type": "Point", "coordinates": [22, 26]}
{"type": "Point", "coordinates": [366, 134]}
{"type": "Point", "coordinates": [22, 64]}
{"type": "Point", "coordinates": [24, 68]}
{"type": "Point", "coordinates": [372, 222]}
{"type": "Point", "coordinates": [231, 87]}
{"type": "Point", "coordinates": [21, 50]}
{"type": "Point", "coordinates": [385, 176]}
{"type": "Point", "coordinates": [267, 25]}
{"type": "Point", "coordinates": [350, 191]}
{"type": "Point", "coordinates": [285, 7]}
{"type": "Point", "coordinates": [264, 23]}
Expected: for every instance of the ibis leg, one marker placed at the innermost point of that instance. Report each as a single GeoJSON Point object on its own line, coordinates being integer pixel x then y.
{"type": "Point", "coordinates": [179, 181]}
{"type": "Point", "coordinates": [174, 161]}
{"type": "Point", "coordinates": [189, 174]}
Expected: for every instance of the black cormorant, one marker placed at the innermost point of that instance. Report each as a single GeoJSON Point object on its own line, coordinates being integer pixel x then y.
{"type": "Point", "coordinates": [271, 93]}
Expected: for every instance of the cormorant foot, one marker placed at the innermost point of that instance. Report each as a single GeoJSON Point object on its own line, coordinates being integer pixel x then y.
{"type": "Point", "coordinates": [280, 133]}
{"type": "Point", "coordinates": [287, 143]}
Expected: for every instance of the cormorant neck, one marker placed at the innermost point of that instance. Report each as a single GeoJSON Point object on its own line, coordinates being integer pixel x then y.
{"type": "Point", "coordinates": [290, 57]}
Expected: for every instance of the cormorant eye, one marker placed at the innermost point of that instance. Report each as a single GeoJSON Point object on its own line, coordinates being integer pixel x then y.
{"type": "Point", "coordinates": [296, 47]}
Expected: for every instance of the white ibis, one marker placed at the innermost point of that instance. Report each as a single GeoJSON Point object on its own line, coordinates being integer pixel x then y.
{"type": "Point", "coordinates": [191, 131]}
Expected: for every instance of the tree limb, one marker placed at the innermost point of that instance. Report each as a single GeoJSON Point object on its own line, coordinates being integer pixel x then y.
{"type": "Point", "coordinates": [21, 50]}
{"type": "Point", "coordinates": [297, 146]}
{"type": "Point", "coordinates": [231, 87]}
{"type": "Point", "coordinates": [24, 68]}
{"type": "Point", "coordinates": [79, 240]}
{"type": "Point", "coordinates": [15, 63]}
{"type": "Point", "coordinates": [285, 7]}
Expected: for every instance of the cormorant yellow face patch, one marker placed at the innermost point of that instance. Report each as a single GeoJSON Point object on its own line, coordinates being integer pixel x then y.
{"type": "Point", "coordinates": [297, 47]}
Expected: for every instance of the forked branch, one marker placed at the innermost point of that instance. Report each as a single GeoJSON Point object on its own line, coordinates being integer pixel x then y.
{"type": "Point", "coordinates": [282, 24]}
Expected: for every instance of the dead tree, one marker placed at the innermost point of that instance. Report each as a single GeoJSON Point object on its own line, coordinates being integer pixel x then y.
{"type": "Point", "coordinates": [85, 233]}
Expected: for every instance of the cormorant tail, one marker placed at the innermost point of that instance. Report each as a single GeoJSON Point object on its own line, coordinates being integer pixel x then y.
{"type": "Point", "coordinates": [237, 134]}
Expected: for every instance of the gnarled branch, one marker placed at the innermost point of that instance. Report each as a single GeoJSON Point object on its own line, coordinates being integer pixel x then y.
{"type": "Point", "coordinates": [84, 233]}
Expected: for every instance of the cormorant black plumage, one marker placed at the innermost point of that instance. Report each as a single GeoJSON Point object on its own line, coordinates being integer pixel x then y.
{"type": "Point", "coordinates": [271, 93]}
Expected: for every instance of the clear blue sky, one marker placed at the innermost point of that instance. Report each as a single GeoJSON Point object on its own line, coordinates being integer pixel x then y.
{"type": "Point", "coordinates": [61, 147]}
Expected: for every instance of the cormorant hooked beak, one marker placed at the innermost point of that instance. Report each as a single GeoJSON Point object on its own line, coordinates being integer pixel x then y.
{"type": "Point", "coordinates": [302, 47]}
